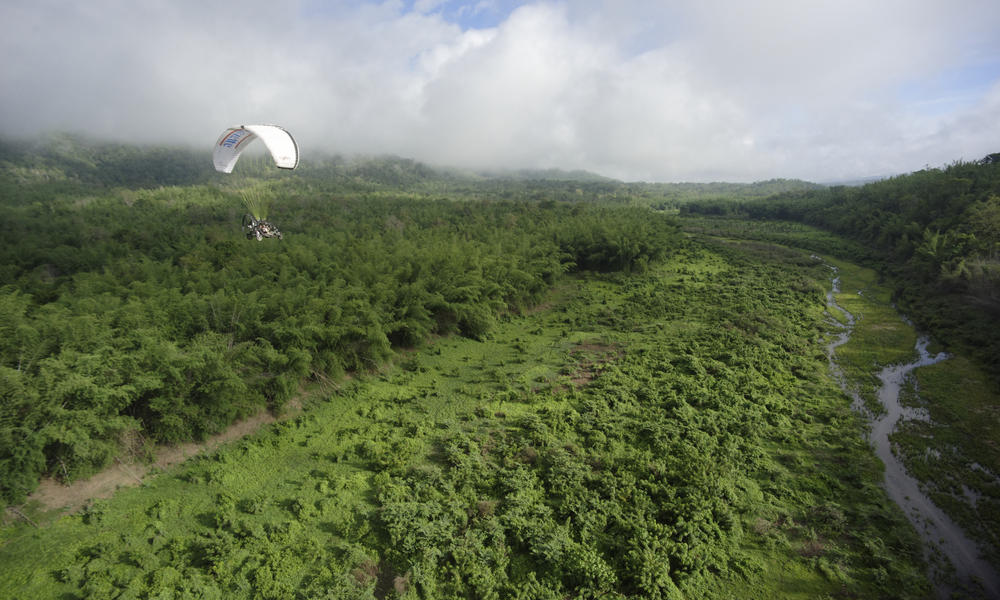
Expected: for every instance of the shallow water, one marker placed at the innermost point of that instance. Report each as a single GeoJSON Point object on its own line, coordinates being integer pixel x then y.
{"type": "Point", "coordinates": [937, 530]}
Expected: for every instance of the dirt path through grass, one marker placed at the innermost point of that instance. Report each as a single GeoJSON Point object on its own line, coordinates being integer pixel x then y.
{"type": "Point", "coordinates": [54, 495]}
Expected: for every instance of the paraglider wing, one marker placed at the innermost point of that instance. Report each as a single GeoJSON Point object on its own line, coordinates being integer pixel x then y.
{"type": "Point", "coordinates": [280, 144]}
{"type": "Point", "coordinates": [235, 140]}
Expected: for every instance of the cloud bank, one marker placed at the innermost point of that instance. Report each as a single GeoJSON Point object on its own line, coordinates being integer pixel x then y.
{"type": "Point", "coordinates": [682, 91]}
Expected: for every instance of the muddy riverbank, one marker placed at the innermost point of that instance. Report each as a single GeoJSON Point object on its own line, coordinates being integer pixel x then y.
{"type": "Point", "coordinates": [965, 571]}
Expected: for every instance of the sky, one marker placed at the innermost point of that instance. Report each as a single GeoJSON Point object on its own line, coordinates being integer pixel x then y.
{"type": "Point", "coordinates": [685, 90]}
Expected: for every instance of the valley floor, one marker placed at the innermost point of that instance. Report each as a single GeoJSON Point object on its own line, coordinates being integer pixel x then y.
{"type": "Point", "coordinates": [666, 434]}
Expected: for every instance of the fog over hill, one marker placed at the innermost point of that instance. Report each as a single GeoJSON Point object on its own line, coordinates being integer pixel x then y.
{"type": "Point", "coordinates": [97, 162]}
{"type": "Point", "coordinates": [636, 91]}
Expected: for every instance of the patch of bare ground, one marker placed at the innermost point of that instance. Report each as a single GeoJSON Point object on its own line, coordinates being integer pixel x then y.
{"type": "Point", "coordinates": [589, 356]}
{"type": "Point", "coordinates": [538, 308]}
{"type": "Point", "coordinates": [554, 296]}
{"type": "Point", "coordinates": [127, 471]}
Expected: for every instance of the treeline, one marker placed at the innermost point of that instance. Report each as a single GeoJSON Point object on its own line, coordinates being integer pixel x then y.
{"type": "Point", "coordinates": [935, 232]}
{"type": "Point", "coordinates": [79, 163]}
{"type": "Point", "coordinates": [146, 312]}
{"type": "Point", "coordinates": [659, 196]}
{"type": "Point", "coordinates": [675, 195]}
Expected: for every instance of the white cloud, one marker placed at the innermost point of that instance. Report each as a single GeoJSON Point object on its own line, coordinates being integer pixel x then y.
{"type": "Point", "coordinates": [692, 90]}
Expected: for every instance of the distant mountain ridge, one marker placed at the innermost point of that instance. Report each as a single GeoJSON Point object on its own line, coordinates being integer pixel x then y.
{"type": "Point", "coordinates": [546, 175]}
{"type": "Point", "coordinates": [92, 161]}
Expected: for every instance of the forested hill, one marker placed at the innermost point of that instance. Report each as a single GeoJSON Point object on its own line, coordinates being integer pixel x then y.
{"type": "Point", "coordinates": [936, 232]}
{"type": "Point", "coordinates": [71, 163]}
{"type": "Point", "coordinates": [78, 165]}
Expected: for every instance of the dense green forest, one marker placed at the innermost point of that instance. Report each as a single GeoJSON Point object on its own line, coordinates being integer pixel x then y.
{"type": "Point", "coordinates": [496, 386]}
{"type": "Point", "coordinates": [143, 310]}
{"type": "Point", "coordinates": [935, 233]}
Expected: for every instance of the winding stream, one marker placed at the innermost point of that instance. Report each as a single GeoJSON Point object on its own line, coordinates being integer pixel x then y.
{"type": "Point", "coordinates": [936, 529]}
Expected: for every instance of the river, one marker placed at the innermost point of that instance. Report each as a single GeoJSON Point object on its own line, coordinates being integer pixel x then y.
{"type": "Point", "coordinates": [937, 530]}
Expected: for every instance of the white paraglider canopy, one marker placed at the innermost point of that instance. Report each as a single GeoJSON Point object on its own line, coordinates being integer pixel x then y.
{"type": "Point", "coordinates": [235, 140]}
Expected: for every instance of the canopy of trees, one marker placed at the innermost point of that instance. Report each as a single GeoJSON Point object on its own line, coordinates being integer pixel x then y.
{"type": "Point", "coordinates": [144, 310]}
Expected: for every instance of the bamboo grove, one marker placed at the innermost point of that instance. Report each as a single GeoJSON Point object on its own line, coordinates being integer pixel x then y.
{"type": "Point", "coordinates": [146, 313]}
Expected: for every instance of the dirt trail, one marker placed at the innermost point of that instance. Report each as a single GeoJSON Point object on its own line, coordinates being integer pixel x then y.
{"type": "Point", "coordinates": [53, 495]}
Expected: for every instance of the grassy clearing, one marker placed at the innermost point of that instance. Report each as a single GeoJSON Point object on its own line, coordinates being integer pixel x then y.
{"type": "Point", "coordinates": [319, 466]}
{"type": "Point", "coordinates": [266, 475]}
{"type": "Point", "coordinates": [954, 453]}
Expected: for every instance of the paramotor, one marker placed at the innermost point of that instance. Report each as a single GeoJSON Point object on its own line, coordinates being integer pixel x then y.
{"type": "Point", "coordinates": [259, 229]}
{"type": "Point", "coordinates": [285, 152]}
